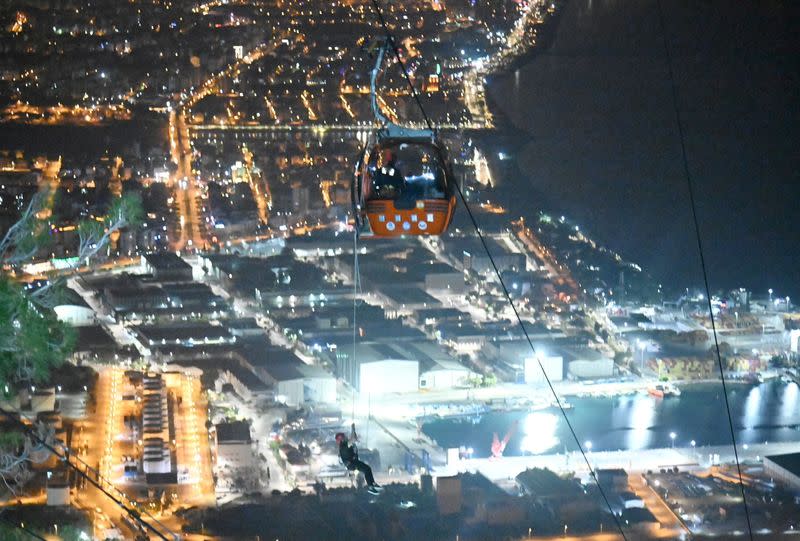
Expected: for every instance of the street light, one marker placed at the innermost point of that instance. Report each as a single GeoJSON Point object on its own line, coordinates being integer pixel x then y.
{"type": "Point", "coordinates": [588, 445]}
{"type": "Point", "coordinates": [672, 436]}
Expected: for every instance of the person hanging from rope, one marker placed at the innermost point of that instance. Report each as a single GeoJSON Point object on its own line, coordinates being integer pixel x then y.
{"type": "Point", "coordinates": [349, 455]}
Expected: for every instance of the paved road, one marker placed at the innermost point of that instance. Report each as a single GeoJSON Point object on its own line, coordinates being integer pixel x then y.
{"type": "Point", "coordinates": [633, 461]}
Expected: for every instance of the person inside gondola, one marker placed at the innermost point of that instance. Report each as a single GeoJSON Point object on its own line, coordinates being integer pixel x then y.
{"type": "Point", "coordinates": [426, 180]}
{"type": "Point", "coordinates": [389, 181]}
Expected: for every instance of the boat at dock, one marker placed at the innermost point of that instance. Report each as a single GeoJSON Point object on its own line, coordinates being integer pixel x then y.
{"type": "Point", "coordinates": [662, 390]}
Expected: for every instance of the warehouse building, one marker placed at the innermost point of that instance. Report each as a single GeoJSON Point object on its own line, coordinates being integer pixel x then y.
{"type": "Point", "coordinates": [784, 468]}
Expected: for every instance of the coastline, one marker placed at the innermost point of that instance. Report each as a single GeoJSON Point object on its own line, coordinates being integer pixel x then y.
{"type": "Point", "coordinates": [503, 136]}
{"type": "Point", "coordinates": [691, 458]}
{"type": "Point", "coordinates": [517, 397]}
{"type": "Point", "coordinates": [545, 33]}
{"type": "Point", "coordinates": [564, 388]}
{"type": "Point", "coordinates": [639, 420]}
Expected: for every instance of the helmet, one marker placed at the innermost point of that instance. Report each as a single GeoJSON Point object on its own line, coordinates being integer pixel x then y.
{"type": "Point", "coordinates": [388, 156]}
{"type": "Point", "coordinates": [340, 437]}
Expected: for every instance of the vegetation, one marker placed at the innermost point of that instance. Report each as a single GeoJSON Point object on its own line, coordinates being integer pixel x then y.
{"type": "Point", "coordinates": [65, 524]}
{"type": "Point", "coordinates": [33, 342]}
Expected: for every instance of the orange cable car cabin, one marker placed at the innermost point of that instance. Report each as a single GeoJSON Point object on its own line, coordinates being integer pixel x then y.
{"type": "Point", "coordinates": [403, 187]}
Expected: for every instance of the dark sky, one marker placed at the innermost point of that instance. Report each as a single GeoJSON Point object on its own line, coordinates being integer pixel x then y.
{"type": "Point", "coordinates": [604, 146]}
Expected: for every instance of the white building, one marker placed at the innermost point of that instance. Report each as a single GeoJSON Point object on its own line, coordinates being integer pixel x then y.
{"type": "Point", "coordinates": [586, 363]}
{"type": "Point", "coordinates": [794, 340]}
{"type": "Point", "coordinates": [401, 366]}
{"type": "Point", "coordinates": [378, 368]}
{"type": "Point", "coordinates": [553, 366]}
{"type": "Point", "coordinates": [234, 445]}
{"type": "Point", "coordinates": [292, 381]}
{"type": "Point", "coordinates": [445, 375]}
{"type": "Point", "coordinates": [389, 375]}
{"type": "Point", "coordinates": [156, 457]}
{"type": "Point", "coordinates": [303, 383]}
{"type": "Point", "coordinates": [517, 354]}
{"type": "Point", "coordinates": [75, 315]}
{"type": "Point", "coordinates": [58, 489]}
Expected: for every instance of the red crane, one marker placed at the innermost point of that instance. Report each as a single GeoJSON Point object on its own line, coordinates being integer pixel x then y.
{"type": "Point", "coordinates": [499, 446]}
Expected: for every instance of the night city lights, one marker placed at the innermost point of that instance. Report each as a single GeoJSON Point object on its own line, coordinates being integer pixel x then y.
{"type": "Point", "coordinates": [399, 270]}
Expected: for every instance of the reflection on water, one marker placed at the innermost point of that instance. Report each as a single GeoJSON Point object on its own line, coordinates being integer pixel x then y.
{"type": "Point", "coordinates": [540, 433]}
{"type": "Point", "coordinates": [752, 405]}
{"type": "Point", "coordinates": [766, 412]}
{"type": "Point", "coordinates": [642, 417]}
{"type": "Point", "coordinates": [789, 403]}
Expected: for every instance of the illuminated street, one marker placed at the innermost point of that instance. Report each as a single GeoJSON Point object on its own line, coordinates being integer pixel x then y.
{"type": "Point", "coordinates": [191, 446]}
{"type": "Point", "coordinates": [408, 270]}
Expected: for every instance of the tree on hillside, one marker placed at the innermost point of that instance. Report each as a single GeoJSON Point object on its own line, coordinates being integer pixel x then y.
{"type": "Point", "coordinates": [32, 339]}
{"type": "Point", "coordinates": [18, 451]}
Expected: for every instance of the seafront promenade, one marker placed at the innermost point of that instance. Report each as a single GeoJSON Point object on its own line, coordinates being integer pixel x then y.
{"type": "Point", "coordinates": [632, 461]}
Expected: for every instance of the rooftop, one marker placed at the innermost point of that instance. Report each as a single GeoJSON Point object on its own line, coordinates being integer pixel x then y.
{"type": "Point", "coordinates": [211, 367]}
{"type": "Point", "coordinates": [71, 297]}
{"type": "Point", "coordinates": [442, 314]}
{"type": "Point", "coordinates": [404, 295]}
{"type": "Point", "coordinates": [286, 370]}
{"type": "Point", "coordinates": [94, 337]}
{"type": "Point", "coordinates": [427, 353]}
{"type": "Point", "coordinates": [183, 332]}
{"type": "Point", "coordinates": [789, 461]}
{"type": "Point", "coordinates": [637, 515]}
{"type": "Point", "coordinates": [166, 261]}
{"type": "Point", "coordinates": [459, 246]}
{"type": "Point", "coordinates": [233, 432]}
{"type": "Point", "coordinates": [543, 483]}
{"type": "Point", "coordinates": [276, 274]}
{"type": "Point", "coordinates": [170, 478]}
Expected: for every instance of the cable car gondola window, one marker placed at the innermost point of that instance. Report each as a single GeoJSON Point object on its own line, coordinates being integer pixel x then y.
{"type": "Point", "coordinates": [406, 171]}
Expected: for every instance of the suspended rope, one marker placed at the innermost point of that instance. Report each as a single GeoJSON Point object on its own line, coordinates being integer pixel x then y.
{"type": "Point", "coordinates": [693, 204]}
{"type": "Point", "coordinates": [500, 279]}
{"type": "Point", "coordinates": [538, 360]}
{"type": "Point", "coordinates": [65, 457]}
{"type": "Point", "coordinates": [355, 193]}
{"type": "Point", "coordinates": [356, 287]}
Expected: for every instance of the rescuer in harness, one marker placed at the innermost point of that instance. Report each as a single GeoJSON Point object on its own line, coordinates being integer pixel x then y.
{"type": "Point", "coordinates": [349, 455]}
